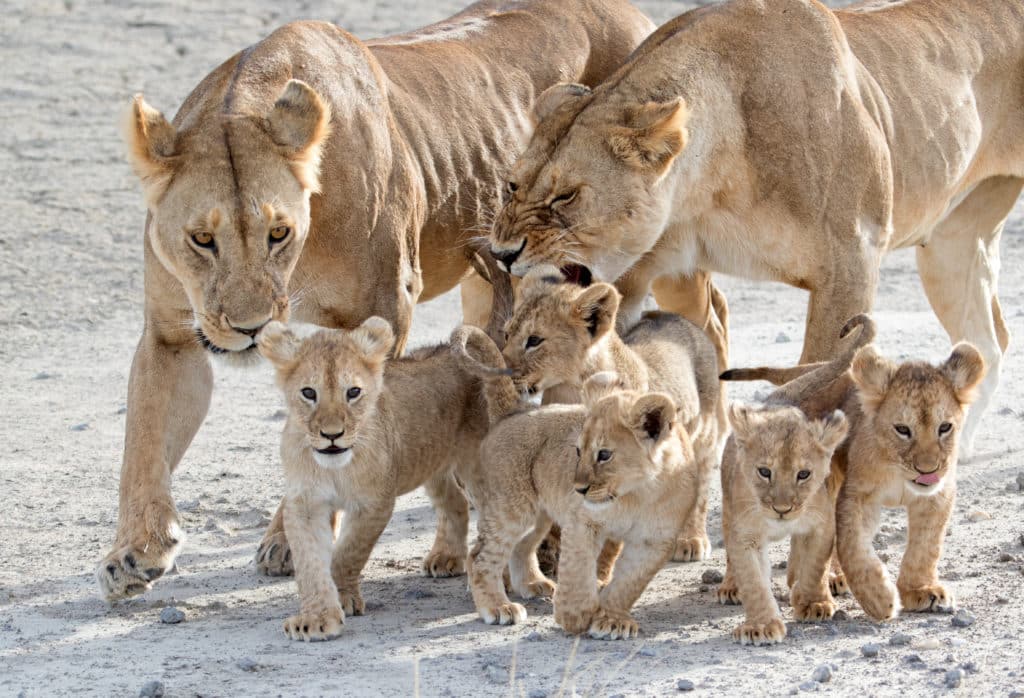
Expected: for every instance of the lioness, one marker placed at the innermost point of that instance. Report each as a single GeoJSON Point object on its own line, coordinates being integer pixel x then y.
{"type": "Point", "coordinates": [344, 178]}
{"type": "Point", "coordinates": [782, 140]}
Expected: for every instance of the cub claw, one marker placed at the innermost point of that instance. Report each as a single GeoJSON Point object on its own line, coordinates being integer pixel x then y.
{"type": "Point", "coordinates": [315, 627]}
{"type": "Point", "coordinates": [505, 614]}
{"type": "Point", "coordinates": [760, 633]}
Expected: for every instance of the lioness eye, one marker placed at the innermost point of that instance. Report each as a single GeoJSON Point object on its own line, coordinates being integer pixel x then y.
{"type": "Point", "coordinates": [512, 187]}
{"type": "Point", "coordinates": [565, 198]}
{"type": "Point", "coordinates": [604, 455]}
{"type": "Point", "coordinates": [577, 451]}
{"type": "Point", "coordinates": [280, 234]}
{"type": "Point", "coordinates": [353, 393]}
{"type": "Point", "coordinates": [203, 239]}
{"type": "Point", "coordinates": [534, 341]}
{"type": "Point", "coordinates": [765, 473]}
{"type": "Point", "coordinates": [902, 429]}
{"type": "Point", "coordinates": [308, 393]}
{"type": "Point", "coordinates": [803, 475]}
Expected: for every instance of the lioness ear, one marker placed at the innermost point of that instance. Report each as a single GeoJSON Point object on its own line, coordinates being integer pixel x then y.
{"type": "Point", "coordinates": [278, 344]}
{"type": "Point", "coordinates": [651, 416]}
{"type": "Point", "coordinates": [964, 368]}
{"type": "Point", "coordinates": [555, 96]}
{"type": "Point", "coordinates": [374, 339]}
{"type": "Point", "coordinates": [871, 372]}
{"type": "Point", "coordinates": [831, 430]}
{"type": "Point", "coordinates": [655, 135]}
{"type": "Point", "coordinates": [299, 123]}
{"type": "Point", "coordinates": [152, 147]}
{"type": "Point", "coordinates": [596, 307]}
{"type": "Point", "coordinates": [538, 281]}
{"type": "Point", "coordinates": [599, 386]}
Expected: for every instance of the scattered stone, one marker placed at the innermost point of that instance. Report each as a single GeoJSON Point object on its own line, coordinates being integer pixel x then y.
{"type": "Point", "coordinates": [123, 409]}
{"type": "Point", "coordinates": [153, 689]}
{"type": "Point", "coordinates": [704, 588]}
{"type": "Point", "coordinates": [900, 639]}
{"type": "Point", "coordinates": [1003, 599]}
{"type": "Point", "coordinates": [822, 673]}
{"type": "Point", "coordinates": [841, 615]}
{"type": "Point", "coordinates": [648, 652]}
{"type": "Point", "coordinates": [278, 416]}
{"type": "Point", "coordinates": [534, 636]}
{"type": "Point", "coordinates": [809, 686]}
{"type": "Point", "coordinates": [971, 666]}
{"type": "Point", "coordinates": [1006, 412]}
{"type": "Point", "coordinates": [538, 693]}
{"type": "Point", "coordinates": [684, 685]}
{"type": "Point", "coordinates": [782, 338]}
{"type": "Point", "coordinates": [963, 619]}
{"type": "Point", "coordinates": [884, 557]}
{"type": "Point", "coordinates": [171, 615]}
{"type": "Point", "coordinates": [247, 664]}
{"type": "Point", "coordinates": [496, 674]}
{"type": "Point", "coordinates": [782, 565]}
{"type": "Point", "coordinates": [870, 650]}
{"type": "Point", "coordinates": [43, 375]}
{"type": "Point", "coordinates": [80, 427]}
{"type": "Point", "coordinates": [1005, 557]}
{"type": "Point", "coordinates": [928, 643]}
{"type": "Point", "coordinates": [979, 515]}
{"type": "Point", "coordinates": [711, 577]}
{"type": "Point", "coordinates": [1020, 481]}
{"type": "Point", "coordinates": [1016, 694]}
{"type": "Point", "coordinates": [913, 659]}
{"type": "Point", "coordinates": [954, 677]}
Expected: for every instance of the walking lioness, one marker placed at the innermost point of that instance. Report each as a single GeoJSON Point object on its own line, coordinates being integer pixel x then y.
{"type": "Point", "coordinates": [782, 140]}
{"type": "Point", "coordinates": [405, 138]}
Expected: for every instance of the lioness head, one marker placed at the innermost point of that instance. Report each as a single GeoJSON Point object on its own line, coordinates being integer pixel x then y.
{"type": "Point", "coordinates": [626, 441]}
{"type": "Point", "coordinates": [784, 455]}
{"type": "Point", "coordinates": [584, 194]}
{"type": "Point", "coordinates": [553, 326]}
{"type": "Point", "coordinates": [229, 206]}
{"type": "Point", "coordinates": [914, 411]}
{"type": "Point", "coordinates": [331, 381]}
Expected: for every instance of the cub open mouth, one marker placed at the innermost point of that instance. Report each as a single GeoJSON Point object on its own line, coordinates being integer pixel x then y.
{"type": "Point", "coordinates": [331, 450]}
{"type": "Point", "coordinates": [577, 274]}
{"type": "Point", "coordinates": [927, 479]}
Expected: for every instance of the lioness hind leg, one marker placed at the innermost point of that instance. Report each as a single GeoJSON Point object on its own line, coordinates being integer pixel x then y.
{"type": "Point", "coordinates": [698, 300]}
{"type": "Point", "coordinates": [447, 557]}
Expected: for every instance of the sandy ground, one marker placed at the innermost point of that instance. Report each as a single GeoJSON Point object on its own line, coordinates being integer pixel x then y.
{"type": "Point", "coordinates": [70, 313]}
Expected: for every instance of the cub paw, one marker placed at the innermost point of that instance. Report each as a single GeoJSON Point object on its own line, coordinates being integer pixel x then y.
{"type": "Point", "coordinates": [352, 602]}
{"type": "Point", "coordinates": [814, 610]}
{"type": "Point", "coordinates": [129, 570]}
{"type": "Point", "coordinates": [315, 627]}
{"type": "Point", "coordinates": [505, 614]}
{"type": "Point", "coordinates": [542, 588]}
{"type": "Point", "coordinates": [880, 600]}
{"type": "Point", "coordinates": [837, 584]}
{"type": "Point", "coordinates": [691, 549]}
{"type": "Point", "coordinates": [274, 555]}
{"type": "Point", "coordinates": [609, 625]}
{"type": "Point", "coordinates": [935, 598]}
{"type": "Point", "coordinates": [760, 633]}
{"type": "Point", "coordinates": [444, 564]}
{"type": "Point", "coordinates": [728, 593]}
{"type": "Point", "coordinates": [574, 621]}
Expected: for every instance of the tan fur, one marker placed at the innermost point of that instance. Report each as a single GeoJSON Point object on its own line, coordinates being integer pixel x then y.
{"type": "Point", "coordinates": [790, 142]}
{"type": "Point", "coordinates": [368, 125]}
{"type": "Point", "coordinates": [575, 328]}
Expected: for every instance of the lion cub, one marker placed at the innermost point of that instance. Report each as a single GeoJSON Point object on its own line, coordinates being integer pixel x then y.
{"type": "Point", "coordinates": [560, 334]}
{"type": "Point", "coordinates": [362, 430]}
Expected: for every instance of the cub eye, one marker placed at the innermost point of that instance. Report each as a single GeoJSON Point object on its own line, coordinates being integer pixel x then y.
{"type": "Point", "coordinates": [203, 239]}
{"type": "Point", "coordinates": [903, 430]}
{"type": "Point", "coordinates": [309, 394]}
{"type": "Point", "coordinates": [604, 455]}
{"type": "Point", "coordinates": [280, 234]}
{"type": "Point", "coordinates": [945, 428]}
{"type": "Point", "coordinates": [765, 473]}
{"type": "Point", "coordinates": [511, 187]}
{"type": "Point", "coordinates": [565, 198]}
{"type": "Point", "coordinates": [353, 393]}
{"type": "Point", "coordinates": [803, 475]}
{"type": "Point", "coordinates": [577, 451]}
{"type": "Point", "coordinates": [534, 341]}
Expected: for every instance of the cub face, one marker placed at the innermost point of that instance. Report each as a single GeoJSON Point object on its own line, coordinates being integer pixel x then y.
{"type": "Point", "coordinates": [332, 381]}
{"type": "Point", "coordinates": [553, 327]}
{"type": "Point", "coordinates": [784, 456]}
{"type": "Point", "coordinates": [915, 411]}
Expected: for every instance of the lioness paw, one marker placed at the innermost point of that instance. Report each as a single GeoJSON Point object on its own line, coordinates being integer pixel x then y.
{"type": "Point", "coordinates": [880, 600]}
{"type": "Point", "coordinates": [814, 610]}
{"type": "Point", "coordinates": [760, 633]}
{"type": "Point", "coordinates": [444, 564]}
{"type": "Point", "coordinates": [130, 570]}
{"type": "Point", "coordinates": [728, 593]}
{"type": "Point", "coordinates": [837, 584]}
{"type": "Point", "coordinates": [935, 598]}
{"type": "Point", "coordinates": [314, 627]}
{"type": "Point", "coordinates": [274, 556]}
{"type": "Point", "coordinates": [505, 614]}
{"type": "Point", "coordinates": [609, 625]}
{"type": "Point", "coordinates": [691, 549]}
{"type": "Point", "coordinates": [352, 602]}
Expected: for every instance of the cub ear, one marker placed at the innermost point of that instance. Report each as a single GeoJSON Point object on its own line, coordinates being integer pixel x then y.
{"type": "Point", "coordinates": [299, 123]}
{"type": "Point", "coordinates": [152, 147]}
{"type": "Point", "coordinates": [538, 282]}
{"type": "Point", "coordinates": [831, 430]}
{"type": "Point", "coordinates": [374, 339]}
{"type": "Point", "coordinates": [965, 368]}
{"type": "Point", "coordinates": [653, 137]}
{"type": "Point", "coordinates": [651, 416]}
{"type": "Point", "coordinates": [555, 96]}
{"type": "Point", "coordinates": [596, 307]}
{"type": "Point", "coordinates": [872, 373]}
{"type": "Point", "coordinates": [278, 344]}
{"type": "Point", "coordinates": [741, 418]}
{"type": "Point", "coordinates": [599, 386]}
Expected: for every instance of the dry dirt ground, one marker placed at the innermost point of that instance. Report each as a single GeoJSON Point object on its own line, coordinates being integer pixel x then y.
{"type": "Point", "coordinates": [70, 314]}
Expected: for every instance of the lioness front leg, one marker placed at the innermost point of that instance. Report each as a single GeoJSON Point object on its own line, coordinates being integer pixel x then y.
{"type": "Point", "coordinates": [636, 566]}
{"type": "Point", "coordinates": [307, 525]}
{"type": "Point", "coordinates": [576, 599]}
{"type": "Point", "coordinates": [809, 571]}
{"type": "Point", "coordinates": [856, 521]}
{"type": "Point", "coordinates": [918, 583]}
{"type": "Point", "coordinates": [360, 529]}
{"type": "Point", "coordinates": [168, 394]}
{"type": "Point", "coordinates": [447, 558]}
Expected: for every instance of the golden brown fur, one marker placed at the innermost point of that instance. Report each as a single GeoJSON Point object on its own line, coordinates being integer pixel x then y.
{"type": "Point", "coordinates": [318, 173]}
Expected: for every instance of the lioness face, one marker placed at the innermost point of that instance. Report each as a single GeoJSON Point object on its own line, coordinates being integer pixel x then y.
{"type": "Point", "coordinates": [332, 381]}
{"type": "Point", "coordinates": [916, 411]}
{"type": "Point", "coordinates": [784, 456]}
{"type": "Point", "coordinates": [229, 212]}
{"type": "Point", "coordinates": [585, 194]}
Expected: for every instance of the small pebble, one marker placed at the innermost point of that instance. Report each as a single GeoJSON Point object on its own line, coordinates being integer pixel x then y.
{"type": "Point", "coordinates": [1005, 557]}
{"type": "Point", "coordinates": [963, 619]}
{"type": "Point", "coordinates": [1016, 694]}
{"type": "Point", "coordinates": [711, 577]}
{"type": "Point", "coordinates": [822, 673]}
{"type": "Point", "coordinates": [913, 659]}
{"type": "Point", "coordinates": [782, 338]}
{"type": "Point", "coordinates": [809, 686]}
{"type": "Point", "coordinates": [538, 693]}
{"type": "Point", "coordinates": [247, 664]}
{"type": "Point", "coordinates": [870, 650]}
{"type": "Point", "coordinates": [954, 677]}
{"type": "Point", "coordinates": [1020, 481]}
{"type": "Point", "coordinates": [900, 639]}
{"type": "Point", "coordinates": [496, 674]}
{"type": "Point", "coordinates": [1003, 599]}
{"type": "Point", "coordinates": [928, 643]}
{"type": "Point", "coordinates": [153, 689]}
{"type": "Point", "coordinates": [971, 667]}
{"type": "Point", "coordinates": [43, 375]}
{"type": "Point", "coordinates": [534, 636]}
{"type": "Point", "coordinates": [648, 652]}
{"type": "Point", "coordinates": [841, 615]}
{"type": "Point", "coordinates": [979, 515]}
{"type": "Point", "coordinates": [80, 427]}
{"type": "Point", "coordinates": [171, 615]}
{"type": "Point", "coordinates": [684, 685]}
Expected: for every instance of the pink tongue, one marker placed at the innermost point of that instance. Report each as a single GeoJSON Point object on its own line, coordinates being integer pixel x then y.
{"type": "Point", "coordinates": [927, 479]}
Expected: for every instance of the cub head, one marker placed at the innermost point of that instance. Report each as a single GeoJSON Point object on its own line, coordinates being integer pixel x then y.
{"type": "Point", "coordinates": [229, 204]}
{"type": "Point", "coordinates": [914, 411]}
{"type": "Point", "coordinates": [584, 195]}
{"type": "Point", "coordinates": [554, 326]}
{"type": "Point", "coordinates": [331, 381]}
{"type": "Point", "coordinates": [626, 442]}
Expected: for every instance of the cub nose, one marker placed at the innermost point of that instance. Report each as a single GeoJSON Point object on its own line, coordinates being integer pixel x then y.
{"type": "Point", "coordinates": [583, 490]}
{"type": "Point", "coordinates": [332, 437]}
{"type": "Point", "coordinates": [508, 257]}
{"type": "Point", "coordinates": [782, 512]}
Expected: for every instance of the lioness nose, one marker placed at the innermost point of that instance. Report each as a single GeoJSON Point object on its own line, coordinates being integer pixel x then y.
{"type": "Point", "coordinates": [332, 437]}
{"type": "Point", "coordinates": [507, 257]}
{"type": "Point", "coordinates": [583, 490]}
{"type": "Point", "coordinates": [249, 328]}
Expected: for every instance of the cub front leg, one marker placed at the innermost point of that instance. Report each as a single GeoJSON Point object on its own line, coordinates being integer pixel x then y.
{"type": "Point", "coordinates": [636, 566]}
{"type": "Point", "coordinates": [360, 528]}
{"type": "Point", "coordinates": [856, 521]}
{"type": "Point", "coordinates": [809, 571]}
{"type": "Point", "coordinates": [918, 583]}
{"type": "Point", "coordinates": [576, 600]}
{"type": "Point", "coordinates": [763, 624]}
{"type": "Point", "coordinates": [307, 525]}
